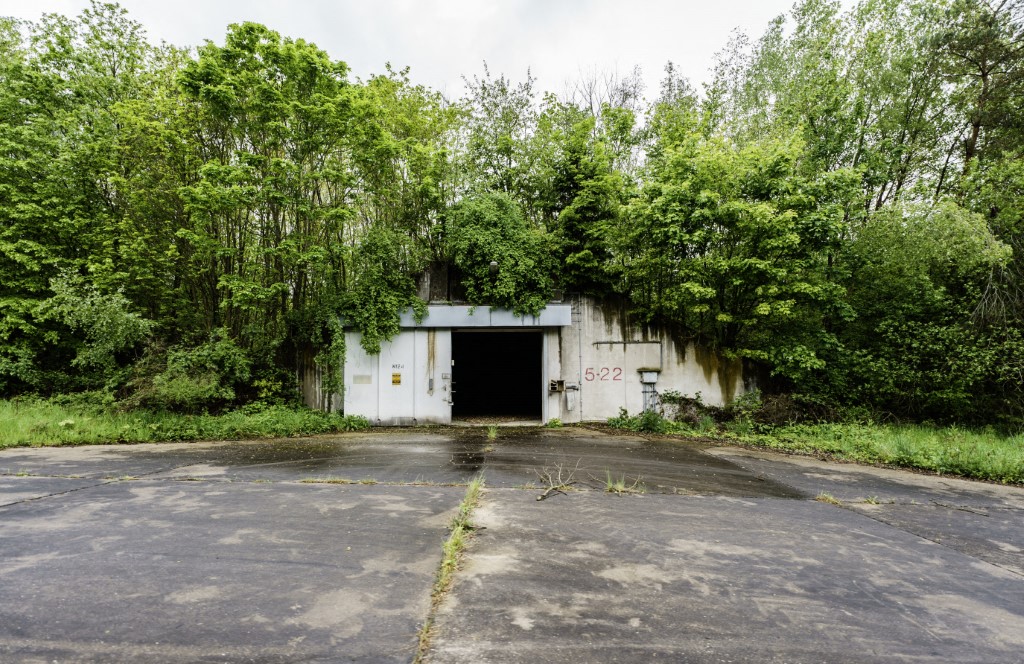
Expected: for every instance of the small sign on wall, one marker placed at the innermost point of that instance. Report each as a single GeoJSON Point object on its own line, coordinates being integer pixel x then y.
{"type": "Point", "coordinates": [396, 379]}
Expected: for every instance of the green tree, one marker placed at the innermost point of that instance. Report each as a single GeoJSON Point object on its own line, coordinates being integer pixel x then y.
{"type": "Point", "coordinates": [61, 81]}
{"type": "Point", "coordinates": [490, 228]}
{"type": "Point", "coordinates": [502, 118]}
{"type": "Point", "coordinates": [731, 245]}
{"type": "Point", "coordinates": [579, 195]}
{"type": "Point", "coordinates": [985, 43]}
{"type": "Point", "coordinates": [269, 212]}
{"type": "Point", "coordinates": [915, 276]}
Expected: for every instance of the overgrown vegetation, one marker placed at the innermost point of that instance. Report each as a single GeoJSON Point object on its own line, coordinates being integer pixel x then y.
{"type": "Point", "coordinates": [841, 204]}
{"type": "Point", "coordinates": [985, 454]}
{"type": "Point", "coordinates": [39, 423]}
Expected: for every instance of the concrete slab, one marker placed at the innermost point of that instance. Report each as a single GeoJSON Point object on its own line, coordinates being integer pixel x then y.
{"type": "Point", "coordinates": [979, 519]}
{"type": "Point", "coordinates": [993, 535]}
{"type": "Point", "coordinates": [217, 552]}
{"type": "Point", "coordinates": [166, 571]}
{"type": "Point", "coordinates": [596, 578]}
{"type": "Point", "coordinates": [384, 457]}
{"type": "Point", "coordinates": [406, 459]}
{"type": "Point", "coordinates": [99, 462]}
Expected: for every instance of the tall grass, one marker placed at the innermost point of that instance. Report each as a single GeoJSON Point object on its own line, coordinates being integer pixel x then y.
{"type": "Point", "coordinates": [45, 423]}
{"type": "Point", "coordinates": [950, 450]}
{"type": "Point", "coordinates": [980, 454]}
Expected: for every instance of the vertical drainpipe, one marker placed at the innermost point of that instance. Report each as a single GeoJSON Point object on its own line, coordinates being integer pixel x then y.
{"type": "Point", "coordinates": [431, 359]}
{"type": "Point", "coordinates": [579, 365]}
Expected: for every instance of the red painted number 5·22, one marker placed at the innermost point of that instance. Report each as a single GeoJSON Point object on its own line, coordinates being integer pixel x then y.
{"type": "Point", "coordinates": [602, 374]}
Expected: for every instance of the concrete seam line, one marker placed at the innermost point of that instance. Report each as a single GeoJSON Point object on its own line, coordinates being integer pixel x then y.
{"type": "Point", "coordinates": [461, 530]}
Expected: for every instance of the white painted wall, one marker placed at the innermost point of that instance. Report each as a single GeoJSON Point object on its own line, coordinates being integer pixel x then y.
{"type": "Point", "coordinates": [604, 358]}
{"type": "Point", "coordinates": [409, 382]}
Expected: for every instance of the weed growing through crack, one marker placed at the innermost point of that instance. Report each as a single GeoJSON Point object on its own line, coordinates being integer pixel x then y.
{"type": "Point", "coordinates": [492, 432]}
{"type": "Point", "coordinates": [824, 497]}
{"type": "Point", "coordinates": [460, 531]}
{"type": "Point", "coordinates": [620, 486]}
{"type": "Point", "coordinates": [337, 480]}
{"type": "Point", "coordinates": [871, 500]}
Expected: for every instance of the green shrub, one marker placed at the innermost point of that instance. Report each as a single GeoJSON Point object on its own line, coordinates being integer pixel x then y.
{"type": "Point", "coordinates": [706, 425]}
{"type": "Point", "coordinates": [652, 422]}
{"type": "Point", "coordinates": [624, 421]}
{"type": "Point", "coordinates": [191, 380]}
{"type": "Point", "coordinates": [352, 423]}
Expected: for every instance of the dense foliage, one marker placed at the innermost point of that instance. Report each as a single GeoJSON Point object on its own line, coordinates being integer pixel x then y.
{"type": "Point", "coordinates": [842, 203]}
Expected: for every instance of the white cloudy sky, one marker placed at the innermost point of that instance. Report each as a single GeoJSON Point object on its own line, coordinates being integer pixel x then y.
{"type": "Point", "coordinates": [442, 40]}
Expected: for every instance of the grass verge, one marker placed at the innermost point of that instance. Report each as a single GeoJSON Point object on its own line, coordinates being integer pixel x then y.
{"type": "Point", "coordinates": [460, 530]}
{"type": "Point", "coordinates": [40, 423]}
{"type": "Point", "coordinates": [983, 454]}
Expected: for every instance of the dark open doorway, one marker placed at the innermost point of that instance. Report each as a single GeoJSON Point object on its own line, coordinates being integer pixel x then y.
{"type": "Point", "coordinates": [497, 373]}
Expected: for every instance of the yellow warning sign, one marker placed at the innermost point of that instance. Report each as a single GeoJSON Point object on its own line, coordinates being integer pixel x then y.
{"type": "Point", "coordinates": [396, 379]}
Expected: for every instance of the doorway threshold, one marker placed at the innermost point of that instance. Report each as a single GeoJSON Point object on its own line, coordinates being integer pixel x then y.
{"type": "Point", "coordinates": [496, 420]}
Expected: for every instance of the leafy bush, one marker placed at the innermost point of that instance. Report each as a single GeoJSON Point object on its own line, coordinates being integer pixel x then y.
{"type": "Point", "coordinates": [189, 380]}
{"type": "Point", "coordinates": [706, 424]}
{"type": "Point", "coordinates": [352, 423]}
{"type": "Point", "coordinates": [646, 422]}
{"type": "Point", "coordinates": [745, 406]}
{"type": "Point", "coordinates": [382, 290]}
{"type": "Point", "coordinates": [652, 422]}
{"type": "Point", "coordinates": [624, 421]}
{"type": "Point", "coordinates": [106, 322]}
{"type": "Point", "coordinates": [680, 407]}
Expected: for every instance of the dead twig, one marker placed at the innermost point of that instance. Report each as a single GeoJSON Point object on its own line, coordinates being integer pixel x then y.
{"type": "Point", "coordinates": [555, 481]}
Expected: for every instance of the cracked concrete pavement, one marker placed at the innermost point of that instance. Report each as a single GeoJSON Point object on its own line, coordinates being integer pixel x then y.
{"type": "Point", "coordinates": [325, 549]}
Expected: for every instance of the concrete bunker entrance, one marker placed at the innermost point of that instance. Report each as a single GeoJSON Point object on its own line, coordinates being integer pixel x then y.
{"type": "Point", "coordinates": [497, 373]}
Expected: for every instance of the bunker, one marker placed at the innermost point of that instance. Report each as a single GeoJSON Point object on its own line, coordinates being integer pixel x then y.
{"type": "Point", "coordinates": [577, 361]}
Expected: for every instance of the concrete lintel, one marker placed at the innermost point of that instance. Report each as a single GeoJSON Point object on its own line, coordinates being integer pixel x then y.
{"type": "Point", "coordinates": [457, 315]}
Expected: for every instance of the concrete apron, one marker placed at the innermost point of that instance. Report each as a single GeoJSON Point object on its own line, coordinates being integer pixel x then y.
{"type": "Point", "coordinates": [216, 552]}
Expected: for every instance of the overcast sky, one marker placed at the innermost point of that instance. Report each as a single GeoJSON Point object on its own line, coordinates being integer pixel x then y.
{"type": "Point", "coordinates": [443, 40]}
